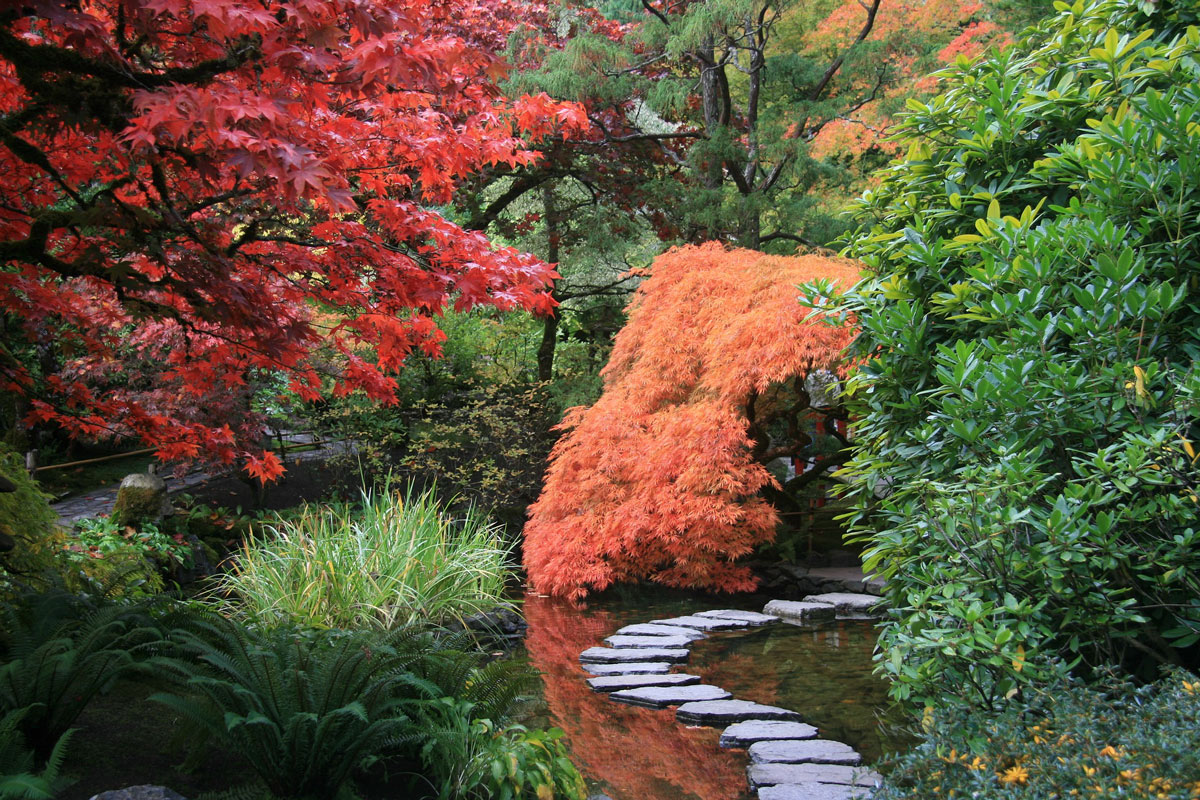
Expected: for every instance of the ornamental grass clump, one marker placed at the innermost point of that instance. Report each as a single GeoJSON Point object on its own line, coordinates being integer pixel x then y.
{"type": "Point", "coordinates": [396, 559]}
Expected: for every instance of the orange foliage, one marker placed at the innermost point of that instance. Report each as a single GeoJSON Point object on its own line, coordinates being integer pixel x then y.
{"type": "Point", "coordinates": [656, 480]}
{"type": "Point", "coordinates": [961, 24]}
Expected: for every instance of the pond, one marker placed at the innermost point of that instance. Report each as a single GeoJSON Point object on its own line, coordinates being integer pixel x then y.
{"type": "Point", "coordinates": [632, 753]}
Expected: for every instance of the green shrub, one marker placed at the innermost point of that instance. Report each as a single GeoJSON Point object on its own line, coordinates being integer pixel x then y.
{"type": "Point", "coordinates": [99, 551]}
{"type": "Point", "coordinates": [1027, 398]}
{"type": "Point", "coordinates": [27, 523]}
{"type": "Point", "coordinates": [468, 758]}
{"type": "Point", "coordinates": [488, 444]}
{"type": "Point", "coordinates": [1109, 740]}
{"type": "Point", "coordinates": [393, 560]}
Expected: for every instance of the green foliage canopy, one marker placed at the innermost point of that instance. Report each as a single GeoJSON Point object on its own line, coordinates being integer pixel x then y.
{"type": "Point", "coordinates": [1028, 398]}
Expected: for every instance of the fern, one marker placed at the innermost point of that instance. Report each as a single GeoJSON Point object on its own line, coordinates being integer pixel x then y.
{"type": "Point", "coordinates": [18, 779]}
{"type": "Point", "coordinates": [60, 652]}
{"type": "Point", "coordinates": [304, 709]}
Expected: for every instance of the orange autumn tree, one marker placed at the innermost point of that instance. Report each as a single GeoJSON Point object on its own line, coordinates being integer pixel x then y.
{"type": "Point", "coordinates": [661, 478]}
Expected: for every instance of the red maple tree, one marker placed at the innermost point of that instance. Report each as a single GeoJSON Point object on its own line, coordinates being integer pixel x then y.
{"type": "Point", "coordinates": [661, 478]}
{"type": "Point", "coordinates": [222, 189]}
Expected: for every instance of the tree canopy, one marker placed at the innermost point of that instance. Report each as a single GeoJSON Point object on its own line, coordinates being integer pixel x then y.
{"type": "Point", "coordinates": [211, 190]}
{"type": "Point", "coordinates": [660, 478]}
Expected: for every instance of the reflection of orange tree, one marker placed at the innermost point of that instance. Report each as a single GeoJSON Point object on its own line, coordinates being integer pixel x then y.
{"type": "Point", "coordinates": [639, 753]}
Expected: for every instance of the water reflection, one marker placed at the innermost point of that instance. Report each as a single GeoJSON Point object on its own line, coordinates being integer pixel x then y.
{"type": "Point", "coordinates": [633, 753]}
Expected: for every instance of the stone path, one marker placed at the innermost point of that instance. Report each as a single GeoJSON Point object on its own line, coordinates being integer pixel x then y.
{"type": "Point", "coordinates": [788, 759]}
{"type": "Point", "coordinates": [95, 503]}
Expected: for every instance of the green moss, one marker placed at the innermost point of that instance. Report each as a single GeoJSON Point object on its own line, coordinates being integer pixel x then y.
{"type": "Point", "coordinates": [28, 521]}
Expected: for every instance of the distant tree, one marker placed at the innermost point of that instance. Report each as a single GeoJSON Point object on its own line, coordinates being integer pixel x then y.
{"type": "Point", "coordinates": [223, 189]}
{"type": "Point", "coordinates": [662, 478]}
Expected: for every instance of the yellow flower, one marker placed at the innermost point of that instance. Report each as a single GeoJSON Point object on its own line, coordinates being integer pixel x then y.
{"type": "Point", "coordinates": [977, 763]}
{"type": "Point", "coordinates": [1089, 771]}
{"type": "Point", "coordinates": [1016, 774]}
{"type": "Point", "coordinates": [1190, 688]}
{"type": "Point", "coordinates": [1112, 752]}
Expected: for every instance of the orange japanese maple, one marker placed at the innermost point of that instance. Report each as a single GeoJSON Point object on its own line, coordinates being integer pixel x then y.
{"type": "Point", "coordinates": [183, 183]}
{"type": "Point", "coordinates": [660, 479]}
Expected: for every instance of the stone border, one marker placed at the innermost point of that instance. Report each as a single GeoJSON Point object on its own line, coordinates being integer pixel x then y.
{"type": "Point", "coordinates": [787, 759]}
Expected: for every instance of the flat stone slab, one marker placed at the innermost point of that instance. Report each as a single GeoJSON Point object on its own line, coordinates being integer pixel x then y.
{"type": "Point", "coordinates": [802, 612]}
{"type": "Point", "coordinates": [630, 668]}
{"type": "Point", "coordinates": [744, 734]}
{"type": "Point", "coordinates": [610, 655]}
{"type": "Point", "coordinates": [615, 683]}
{"type": "Point", "coordinates": [807, 751]}
{"type": "Point", "coordinates": [775, 774]}
{"type": "Point", "coordinates": [813, 791]}
{"type": "Point", "coordinates": [663, 696]}
{"type": "Point", "coordinates": [722, 712]}
{"type": "Point", "coordinates": [648, 641]}
{"type": "Point", "coordinates": [650, 629]}
{"type": "Point", "coordinates": [753, 617]}
{"type": "Point", "coordinates": [847, 602]}
{"type": "Point", "coordinates": [703, 623]}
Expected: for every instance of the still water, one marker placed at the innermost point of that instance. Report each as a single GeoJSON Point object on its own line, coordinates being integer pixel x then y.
{"type": "Point", "coordinates": [631, 753]}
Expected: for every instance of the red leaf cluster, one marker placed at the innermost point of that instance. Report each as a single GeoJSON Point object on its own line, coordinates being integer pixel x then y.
{"type": "Point", "coordinates": [656, 481]}
{"type": "Point", "coordinates": [212, 173]}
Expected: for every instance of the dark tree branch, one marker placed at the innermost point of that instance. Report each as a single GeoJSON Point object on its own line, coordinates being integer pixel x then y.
{"type": "Point", "coordinates": [819, 89]}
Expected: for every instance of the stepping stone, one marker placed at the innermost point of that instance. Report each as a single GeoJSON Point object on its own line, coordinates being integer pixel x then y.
{"type": "Point", "coordinates": [813, 791]}
{"type": "Point", "coordinates": [809, 751]}
{"type": "Point", "coordinates": [744, 734]}
{"type": "Point", "coordinates": [609, 655]}
{"type": "Point", "coordinates": [704, 623]}
{"type": "Point", "coordinates": [615, 683]}
{"type": "Point", "coordinates": [630, 668]}
{"type": "Point", "coordinates": [774, 774]}
{"type": "Point", "coordinates": [650, 629]}
{"type": "Point", "coordinates": [753, 617]}
{"type": "Point", "coordinates": [722, 712]}
{"type": "Point", "coordinates": [847, 603]}
{"type": "Point", "coordinates": [663, 696]}
{"type": "Point", "coordinates": [801, 612]}
{"type": "Point", "coordinates": [649, 641]}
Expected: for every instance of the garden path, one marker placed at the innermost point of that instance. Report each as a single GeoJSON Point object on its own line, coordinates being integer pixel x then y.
{"type": "Point", "coordinates": [100, 501]}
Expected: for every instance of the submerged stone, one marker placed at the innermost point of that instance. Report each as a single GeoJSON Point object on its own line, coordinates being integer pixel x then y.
{"type": "Point", "coordinates": [663, 696]}
{"type": "Point", "coordinates": [650, 629]}
{"type": "Point", "coordinates": [704, 623]}
{"type": "Point", "coordinates": [648, 641]}
{"type": "Point", "coordinates": [813, 791]}
{"type": "Point", "coordinates": [773, 774]}
{"type": "Point", "coordinates": [609, 655]}
{"type": "Point", "coordinates": [808, 751]}
{"type": "Point", "coordinates": [753, 617]}
{"type": "Point", "coordinates": [721, 712]}
{"type": "Point", "coordinates": [847, 603]}
{"type": "Point", "coordinates": [744, 734]}
{"type": "Point", "coordinates": [801, 612]}
{"type": "Point", "coordinates": [629, 668]}
{"type": "Point", "coordinates": [615, 683]}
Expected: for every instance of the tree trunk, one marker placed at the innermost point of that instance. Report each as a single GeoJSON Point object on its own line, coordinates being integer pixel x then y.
{"type": "Point", "coordinates": [545, 353]}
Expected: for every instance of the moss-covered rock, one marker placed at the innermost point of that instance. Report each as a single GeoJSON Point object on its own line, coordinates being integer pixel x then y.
{"type": "Point", "coordinates": [141, 498]}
